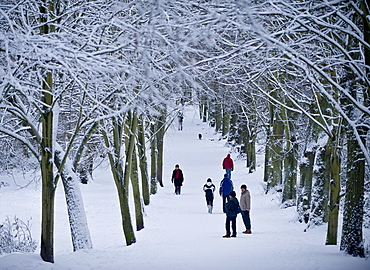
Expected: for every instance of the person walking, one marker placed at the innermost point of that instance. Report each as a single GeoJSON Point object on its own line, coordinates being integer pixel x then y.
{"type": "Point", "coordinates": [226, 186]}
{"type": "Point", "coordinates": [228, 165]}
{"type": "Point", "coordinates": [180, 118]}
{"type": "Point", "coordinates": [177, 179]}
{"type": "Point", "coordinates": [245, 206]}
{"type": "Point", "coordinates": [232, 210]}
{"type": "Point", "coordinates": [209, 189]}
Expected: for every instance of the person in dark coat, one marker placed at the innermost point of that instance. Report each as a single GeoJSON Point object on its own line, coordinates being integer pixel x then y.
{"type": "Point", "coordinates": [180, 118]}
{"type": "Point", "coordinates": [232, 210]}
{"type": "Point", "coordinates": [177, 179]}
{"type": "Point", "coordinates": [226, 186]}
{"type": "Point", "coordinates": [209, 189]}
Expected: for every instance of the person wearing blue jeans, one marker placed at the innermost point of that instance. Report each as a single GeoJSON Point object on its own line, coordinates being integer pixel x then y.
{"type": "Point", "coordinates": [245, 206]}
{"type": "Point", "coordinates": [228, 165]}
{"type": "Point", "coordinates": [228, 173]}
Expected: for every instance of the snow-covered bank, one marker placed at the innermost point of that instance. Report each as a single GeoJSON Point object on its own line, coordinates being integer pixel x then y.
{"type": "Point", "coordinates": [179, 233]}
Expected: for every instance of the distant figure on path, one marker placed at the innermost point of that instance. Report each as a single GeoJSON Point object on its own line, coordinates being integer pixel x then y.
{"type": "Point", "coordinates": [232, 210]}
{"type": "Point", "coordinates": [245, 205]}
{"type": "Point", "coordinates": [228, 165]}
{"type": "Point", "coordinates": [180, 118]}
{"type": "Point", "coordinates": [226, 186]}
{"type": "Point", "coordinates": [177, 179]}
{"type": "Point", "coordinates": [209, 189]}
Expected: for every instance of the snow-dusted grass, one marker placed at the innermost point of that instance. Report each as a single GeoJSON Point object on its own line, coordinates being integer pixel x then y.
{"type": "Point", "coordinates": [179, 233]}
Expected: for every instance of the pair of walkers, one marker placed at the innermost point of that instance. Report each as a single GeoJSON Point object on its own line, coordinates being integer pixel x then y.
{"type": "Point", "coordinates": [233, 208]}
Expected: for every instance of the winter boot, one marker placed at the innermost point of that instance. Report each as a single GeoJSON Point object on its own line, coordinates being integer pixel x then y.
{"type": "Point", "coordinates": [209, 209]}
{"type": "Point", "coordinates": [227, 235]}
{"type": "Point", "coordinates": [234, 234]}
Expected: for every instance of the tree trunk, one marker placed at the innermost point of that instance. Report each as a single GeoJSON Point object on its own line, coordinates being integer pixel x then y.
{"type": "Point", "coordinates": [47, 173]}
{"type": "Point", "coordinates": [203, 108]}
{"type": "Point", "coordinates": [334, 198]}
{"type": "Point", "coordinates": [322, 176]}
{"type": "Point", "coordinates": [352, 241]}
{"type": "Point", "coordinates": [290, 175]}
{"type": "Point", "coordinates": [306, 167]}
{"type": "Point", "coordinates": [205, 111]}
{"type": "Point", "coordinates": [290, 160]}
{"type": "Point", "coordinates": [76, 212]}
{"type": "Point", "coordinates": [225, 121]}
{"type": "Point", "coordinates": [143, 163]}
{"type": "Point", "coordinates": [160, 144]}
{"type": "Point", "coordinates": [121, 176]}
{"type": "Point", "coordinates": [276, 142]}
{"type": "Point", "coordinates": [218, 117]}
{"type": "Point", "coordinates": [212, 114]}
{"type": "Point", "coordinates": [251, 154]}
{"type": "Point", "coordinates": [306, 171]}
{"type": "Point", "coordinates": [127, 225]}
{"type": "Point", "coordinates": [86, 169]}
{"type": "Point", "coordinates": [233, 130]}
{"type": "Point", "coordinates": [242, 136]}
{"type": "Point", "coordinates": [136, 192]}
{"type": "Point", "coordinates": [251, 146]}
{"type": "Point", "coordinates": [267, 162]}
{"type": "Point", "coordinates": [153, 160]}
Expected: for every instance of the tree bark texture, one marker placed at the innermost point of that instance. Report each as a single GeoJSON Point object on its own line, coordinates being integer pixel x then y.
{"type": "Point", "coordinates": [322, 176]}
{"type": "Point", "coordinates": [136, 193]}
{"type": "Point", "coordinates": [276, 150]}
{"type": "Point", "coordinates": [153, 160]}
{"type": "Point", "coordinates": [76, 211]}
{"type": "Point", "coordinates": [290, 173]}
{"type": "Point", "coordinates": [47, 173]}
{"type": "Point", "coordinates": [352, 240]}
{"type": "Point", "coordinates": [120, 175]}
{"type": "Point", "coordinates": [160, 146]}
{"type": "Point", "coordinates": [306, 171]}
{"type": "Point", "coordinates": [141, 146]}
{"type": "Point", "coordinates": [225, 120]}
{"type": "Point", "coordinates": [334, 197]}
{"type": "Point", "coordinates": [130, 145]}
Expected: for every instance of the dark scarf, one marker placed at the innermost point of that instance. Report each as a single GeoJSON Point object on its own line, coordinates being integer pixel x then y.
{"type": "Point", "coordinates": [177, 175]}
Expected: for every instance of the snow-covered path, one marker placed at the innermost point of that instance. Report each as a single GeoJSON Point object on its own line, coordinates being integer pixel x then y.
{"type": "Point", "coordinates": [179, 233]}
{"type": "Point", "coordinates": [190, 238]}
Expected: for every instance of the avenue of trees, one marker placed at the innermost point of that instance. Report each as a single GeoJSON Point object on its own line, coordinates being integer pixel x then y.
{"type": "Point", "coordinates": [91, 80]}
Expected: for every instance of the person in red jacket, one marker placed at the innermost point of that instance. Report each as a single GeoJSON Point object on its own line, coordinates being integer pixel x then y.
{"type": "Point", "coordinates": [177, 178]}
{"type": "Point", "coordinates": [228, 165]}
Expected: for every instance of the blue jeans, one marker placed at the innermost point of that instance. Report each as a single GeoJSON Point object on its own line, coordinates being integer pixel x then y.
{"type": "Point", "coordinates": [246, 220]}
{"type": "Point", "coordinates": [228, 172]}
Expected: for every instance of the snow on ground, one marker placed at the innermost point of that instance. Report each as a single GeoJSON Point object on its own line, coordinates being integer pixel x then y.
{"type": "Point", "coordinates": [179, 233]}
